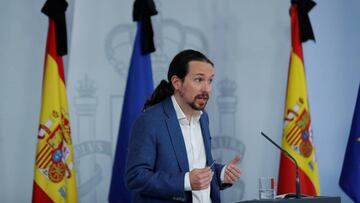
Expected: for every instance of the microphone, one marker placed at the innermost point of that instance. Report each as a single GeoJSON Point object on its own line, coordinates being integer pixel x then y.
{"type": "Point", "coordinates": [297, 182]}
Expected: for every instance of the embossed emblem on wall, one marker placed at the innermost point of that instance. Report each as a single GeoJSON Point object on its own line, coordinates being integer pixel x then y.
{"type": "Point", "coordinates": [226, 144]}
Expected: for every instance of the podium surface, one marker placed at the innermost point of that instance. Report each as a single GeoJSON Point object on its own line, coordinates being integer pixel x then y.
{"type": "Point", "coordinates": [302, 200]}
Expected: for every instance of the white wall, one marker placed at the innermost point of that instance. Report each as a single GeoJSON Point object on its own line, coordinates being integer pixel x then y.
{"type": "Point", "coordinates": [249, 43]}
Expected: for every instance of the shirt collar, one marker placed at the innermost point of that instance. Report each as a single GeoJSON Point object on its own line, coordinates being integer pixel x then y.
{"type": "Point", "coordinates": [179, 112]}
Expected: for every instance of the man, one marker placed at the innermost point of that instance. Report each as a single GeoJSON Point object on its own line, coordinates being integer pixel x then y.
{"type": "Point", "coordinates": [169, 155]}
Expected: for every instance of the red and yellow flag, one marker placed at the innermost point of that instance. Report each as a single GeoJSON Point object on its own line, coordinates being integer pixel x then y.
{"type": "Point", "coordinates": [54, 179]}
{"type": "Point", "coordinates": [297, 133]}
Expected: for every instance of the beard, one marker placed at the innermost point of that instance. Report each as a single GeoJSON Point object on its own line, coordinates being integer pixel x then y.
{"type": "Point", "coordinates": [203, 101]}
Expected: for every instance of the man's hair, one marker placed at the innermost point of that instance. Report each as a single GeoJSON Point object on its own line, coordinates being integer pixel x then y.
{"type": "Point", "coordinates": [179, 66]}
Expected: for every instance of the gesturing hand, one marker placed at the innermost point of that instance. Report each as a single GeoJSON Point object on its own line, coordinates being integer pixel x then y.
{"type": "Point", "coordinates": [200, 178]}
{"type": "Point", "coordinates": [232, 172]}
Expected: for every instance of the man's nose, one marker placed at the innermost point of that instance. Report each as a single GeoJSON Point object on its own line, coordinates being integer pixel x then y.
{"type": "Point", "coordinates": [206, 87]}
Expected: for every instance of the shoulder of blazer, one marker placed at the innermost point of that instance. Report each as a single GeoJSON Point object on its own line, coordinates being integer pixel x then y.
{"type": "Point", "coordinates": [168, 108]}
{"type": "Point", "coordinates": [160, 109]}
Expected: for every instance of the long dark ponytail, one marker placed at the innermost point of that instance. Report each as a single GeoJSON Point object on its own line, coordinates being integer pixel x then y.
{"type": "Point", "coordinates": [179, 66]}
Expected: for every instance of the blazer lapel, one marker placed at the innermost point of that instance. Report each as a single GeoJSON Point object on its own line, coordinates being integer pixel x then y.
{"type": "Point", "coordinates": [206, 137]}
{"type": "Point", "coordinates": [176, 135]}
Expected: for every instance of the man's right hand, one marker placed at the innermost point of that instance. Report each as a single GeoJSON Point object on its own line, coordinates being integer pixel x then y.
{"type": "Point", "coordinates": [200, 178]}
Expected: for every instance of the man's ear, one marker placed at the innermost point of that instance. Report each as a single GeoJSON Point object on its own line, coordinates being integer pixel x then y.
{"type": "Point", "coordinates": [176, 82]}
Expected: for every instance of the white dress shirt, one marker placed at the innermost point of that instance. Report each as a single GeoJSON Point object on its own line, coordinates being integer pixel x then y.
{"type": "Point", "coordinates": [195, 150]}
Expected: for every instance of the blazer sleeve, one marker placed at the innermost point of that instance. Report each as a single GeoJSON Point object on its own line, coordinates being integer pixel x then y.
{"type": "Point", "coordinates": [140, 174]}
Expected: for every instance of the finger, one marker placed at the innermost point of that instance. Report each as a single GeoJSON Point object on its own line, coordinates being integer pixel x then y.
{"type": "Point", "coordinates": [205, 173]}
{"type": "Point", "coordinates": [233, 175]}
{"type": "Point", "coordinates": [205, 183]}
{"type": "Point", "coordinates": [200, 179]}
{"type": "Point", "coordinates": [209, 180]}
{"type": "Point", "coordinates": [236, 175]}
{"type": "Point", "coordinates": [237, 172]}
{"type": "Point", "coordinates": [235, 160]}
{"type": "Point", "coordinates": [203, 170]}
{"type": "Point", "coordinates": [200, 185]}
{"type": "Point", "coordinates": [234, 169]}
{"type": "Point", "coordinates": [209, 177]}
{"type": "Point", "coordinates": [230, 177]}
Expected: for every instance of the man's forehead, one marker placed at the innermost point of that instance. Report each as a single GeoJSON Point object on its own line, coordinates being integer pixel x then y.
{"type": "Point", "coordinates": [200, 68]}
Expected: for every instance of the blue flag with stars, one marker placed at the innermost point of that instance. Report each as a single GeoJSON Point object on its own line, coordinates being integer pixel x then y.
{"type": "Point", "coordinates": [350, 174]}
{"type": "Point", "coordinates": [139, 87]}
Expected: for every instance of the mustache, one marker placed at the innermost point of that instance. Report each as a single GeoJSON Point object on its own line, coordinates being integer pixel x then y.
{"type": "Point", "coordinates": [202, 96]}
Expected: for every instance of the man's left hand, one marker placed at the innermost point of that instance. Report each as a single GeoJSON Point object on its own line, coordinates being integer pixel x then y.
{"type": "Point", "coordinates": [232, 172]}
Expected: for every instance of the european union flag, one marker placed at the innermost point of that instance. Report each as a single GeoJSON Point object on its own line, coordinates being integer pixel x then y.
{"type": "Point", "coordinates": [139, 87]}
{"type": "Point", "coordinates": [350, 174]}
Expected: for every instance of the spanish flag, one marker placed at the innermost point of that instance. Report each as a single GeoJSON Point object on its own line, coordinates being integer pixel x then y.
{"type": "Point", "coordinates": [297, 133]}
{"type": "Point", "coordinates": [54, 172]}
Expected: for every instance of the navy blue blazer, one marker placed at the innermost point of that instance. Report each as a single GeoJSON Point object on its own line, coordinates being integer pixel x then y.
{"type": "Point", "coordinates": [157, 159]}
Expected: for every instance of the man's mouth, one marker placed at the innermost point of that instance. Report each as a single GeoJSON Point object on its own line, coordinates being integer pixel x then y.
{"type": "Point", "coordinates": [204, 97]}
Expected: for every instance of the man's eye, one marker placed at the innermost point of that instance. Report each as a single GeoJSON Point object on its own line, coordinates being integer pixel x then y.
{"type": "Point", "coordinates": [198, 79]}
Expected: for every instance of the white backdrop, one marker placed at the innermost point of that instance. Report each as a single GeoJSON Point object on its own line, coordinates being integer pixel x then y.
{"type": "Point", "coordinates": [249, 42]}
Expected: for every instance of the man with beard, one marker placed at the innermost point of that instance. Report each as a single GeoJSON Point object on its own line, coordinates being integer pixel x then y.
{"type": "Point", "coordinates": [169, 154]}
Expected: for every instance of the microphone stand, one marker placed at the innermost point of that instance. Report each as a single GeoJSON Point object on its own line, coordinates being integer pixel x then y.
{"type": "Point", "coordinates": [297, 179]}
